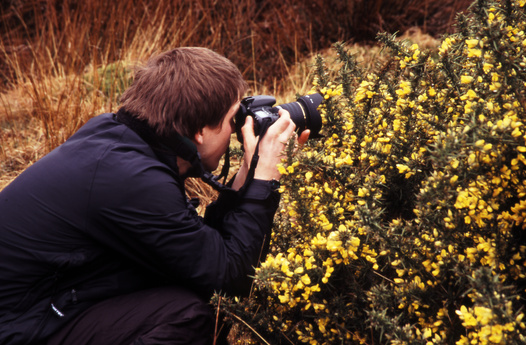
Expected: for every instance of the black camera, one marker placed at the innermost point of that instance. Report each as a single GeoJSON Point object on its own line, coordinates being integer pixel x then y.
{"type": "Point", "coordinates": [304, 113]}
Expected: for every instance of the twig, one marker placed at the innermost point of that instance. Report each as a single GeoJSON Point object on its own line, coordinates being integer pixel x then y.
{"type": "Point", "coordinates": [252, 329]}
{"type": "Point", "coordinates": [384, 277]}
{"type": "Point", "coordinates": [252, 286]}
{"type": "Point", "coordinates": [217, 319]}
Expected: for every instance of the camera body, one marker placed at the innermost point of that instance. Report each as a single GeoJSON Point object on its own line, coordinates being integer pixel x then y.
{"type": "Point", "coordinates": [304, 113]}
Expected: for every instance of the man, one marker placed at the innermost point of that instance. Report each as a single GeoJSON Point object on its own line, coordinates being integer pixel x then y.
{"type": "Point", "coordinates": [98, 243]}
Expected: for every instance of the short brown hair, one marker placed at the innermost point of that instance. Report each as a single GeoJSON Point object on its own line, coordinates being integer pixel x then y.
{"type": "Point", "coordinates": [184, 90]}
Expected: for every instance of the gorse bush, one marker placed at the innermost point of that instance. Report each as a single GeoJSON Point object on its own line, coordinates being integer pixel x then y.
{"type": "Point", "coordinates": [405, 223]}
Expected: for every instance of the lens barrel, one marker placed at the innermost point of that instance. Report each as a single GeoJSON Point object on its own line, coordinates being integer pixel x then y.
{"type": "Point", "coordinates": [304, 113]}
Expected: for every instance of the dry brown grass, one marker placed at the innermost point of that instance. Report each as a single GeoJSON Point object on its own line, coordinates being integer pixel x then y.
{"type": "Point", "coordinates": [58, 57]}
{"type": "Point", "coordinates": [21, 141]}
{"type": "Point", "coordinates": [252, 33]}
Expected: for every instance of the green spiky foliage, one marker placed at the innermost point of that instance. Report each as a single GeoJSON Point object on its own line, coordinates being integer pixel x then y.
{"type": "Point", "coordinates": [405, 223]}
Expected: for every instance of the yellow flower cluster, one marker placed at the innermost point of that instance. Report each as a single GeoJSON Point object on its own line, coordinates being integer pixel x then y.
{"type": "Point", "coordinates": [484, 325]}
{"type": "Point", "coordinates": [411, 56]}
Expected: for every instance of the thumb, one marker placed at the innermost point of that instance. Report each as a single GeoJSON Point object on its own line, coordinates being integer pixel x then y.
{"type": "Point", "coordinates": [248, 128]}
{"type": "Point", "coordinates": [249, 138]}
{"type": "Point", "coordinates": [304, 136]}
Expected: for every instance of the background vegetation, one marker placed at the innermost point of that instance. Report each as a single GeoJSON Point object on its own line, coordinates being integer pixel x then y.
{"type": "Point", "coordinates": [64, 61]}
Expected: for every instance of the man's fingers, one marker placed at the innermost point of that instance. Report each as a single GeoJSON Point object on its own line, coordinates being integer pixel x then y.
{"type": "Point", "coordinates": [284, 127]}
{"type": "Point", "coordinates": [304, 136]}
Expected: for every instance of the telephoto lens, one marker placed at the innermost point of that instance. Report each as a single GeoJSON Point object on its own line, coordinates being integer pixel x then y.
{"type": "Point", "coordinates": [304, 113]}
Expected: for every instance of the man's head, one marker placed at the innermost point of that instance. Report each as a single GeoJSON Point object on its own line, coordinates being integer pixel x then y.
{"type": "Point", "coordinates": [184, 90]}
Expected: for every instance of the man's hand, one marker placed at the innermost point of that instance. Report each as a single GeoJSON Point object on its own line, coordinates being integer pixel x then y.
{"type": "Point", "coordinates": [271, 148]}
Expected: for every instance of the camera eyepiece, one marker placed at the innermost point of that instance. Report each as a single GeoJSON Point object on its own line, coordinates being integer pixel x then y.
{"type": "Point", "coordinates": [304, 113]}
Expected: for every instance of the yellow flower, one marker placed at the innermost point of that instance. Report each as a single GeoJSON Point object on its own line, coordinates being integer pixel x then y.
{"type": "Point", "coordinates": [466, 316]}
{"type": "Point", "coordinates": [446, 44]}
{"type": "Point", "coordinates": [305, 279]}
{"type": "Point", "coordinates": [472, 43]}
{"type": "Point", "coordinates": [404, 90]}
{"type": "Point", "coordinates": [470, 94]}
{"type": "Point", "coordinates": [496, 336]}
{"type": "Point", "coordinates": [402, 168]}
{"type": "Point", "coordinates": [487, 67]}
{"type": "Point", "coordinates": [431, 92]}
{"type": "Point", "coordinates": [396, 125]}
{"type": "Point", "coordinates": [333, 241]}
{"type": "Point", "coordinates": [463, 341]}
{"type": "Point", "coordinates": [480, 143]}
{"type": "Point", "coordinates": [474, 53]}
{"type": "Point", "coordinates": [466, 79]}
{"type": "Point", "coordinates": [483, 315]}
{"type": "Point", "coordinates": [491, 18]}
{"type": "Point", "coordinates": [283, 298]}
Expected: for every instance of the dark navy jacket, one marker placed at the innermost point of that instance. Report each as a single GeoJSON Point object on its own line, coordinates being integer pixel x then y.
{"type": "Point", "coordinates": [101, 216]}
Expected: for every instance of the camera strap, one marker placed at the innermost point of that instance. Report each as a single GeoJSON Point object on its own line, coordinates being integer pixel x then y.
{"type": "Point", "coordinates": [213, 180]}
{"type": "Point", "coordinates": [264, 125]}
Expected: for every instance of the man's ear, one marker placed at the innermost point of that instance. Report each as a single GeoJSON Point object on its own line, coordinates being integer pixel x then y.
{"type": "Point", "coordinates": [199, 137]}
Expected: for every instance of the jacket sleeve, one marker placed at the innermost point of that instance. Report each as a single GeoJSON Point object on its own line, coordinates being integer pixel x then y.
{"type": "Point", "coordinates": [256, 206]}
{"type": "Point", "coordinates": [145, 216]}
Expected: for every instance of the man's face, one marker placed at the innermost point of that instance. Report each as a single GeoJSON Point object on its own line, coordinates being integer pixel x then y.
{"type": "Point", "coordinates": [212, 143]}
